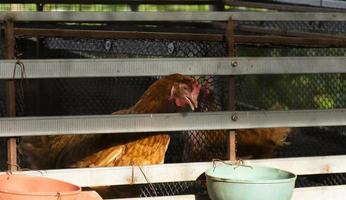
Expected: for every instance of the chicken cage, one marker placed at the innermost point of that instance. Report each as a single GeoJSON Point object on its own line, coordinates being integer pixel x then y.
{"type": "Point", "coordinates": [253, 38]}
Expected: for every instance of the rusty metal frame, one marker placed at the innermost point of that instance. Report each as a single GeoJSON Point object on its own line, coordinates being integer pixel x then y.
{"type": "Point", "coordinates": [231, 45]}
{"type": "Point", "coordinates": [116, 34]}
{"type": "Point", "coordinates": [10, 93]}
{"type": "Point", "coordinates": [275, 37]}
{"type": "Point", "coordinates": [276, 31]}
{"type": "Point", "coordinates": [296, 41]}
{"type": "Point", "coordinates": [231, 38]}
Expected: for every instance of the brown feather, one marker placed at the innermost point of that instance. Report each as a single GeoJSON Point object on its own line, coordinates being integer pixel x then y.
{"type": "Point", "coordinates": [109, 149]}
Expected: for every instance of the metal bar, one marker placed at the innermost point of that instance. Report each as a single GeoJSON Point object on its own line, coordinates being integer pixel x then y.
{"type": "Point", "coordinates": [230, 37]}
{"type": "Point", "coordinates": [10, 94]}
{"type": "Point", "coordinates": [334, 4]}
{"type": "Point", "coordinates": [68, 16]}
{"type": "Point", "coordinates": [302, 39]}
{"type": "Point", "coordinates": [281, 7]}
{"type": "Point", "coordinates": [130, 2]}
{"type": "Point", "coordinates": [325, 3]}
{"type": "Point", "coordinates": [32, 126]}
{"type": "Point", "coordinates": [73, 68]}
{"type": "Point", "coordinates": [271, 31]}
{"type": "Point", "coordinates": [282, 40]}
{"type": "Point", "coordinates": [186, 171]}
{"type": "Point", "coordinates": [116, 34]}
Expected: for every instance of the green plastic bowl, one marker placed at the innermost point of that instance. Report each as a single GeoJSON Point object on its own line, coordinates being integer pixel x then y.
{"type": "Point", "coordinates": [249, 183]}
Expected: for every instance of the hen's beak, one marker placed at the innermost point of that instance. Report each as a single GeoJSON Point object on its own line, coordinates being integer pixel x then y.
{"type": "Point", "coordinates": [192, 101]}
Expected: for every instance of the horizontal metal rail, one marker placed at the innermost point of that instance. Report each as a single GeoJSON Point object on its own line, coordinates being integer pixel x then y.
{"type": "Point", "coordinates": [277, 31]}
{"type": "Point", "coordinates": [68, 16]}
{"type": "Point", "coordinates": [323, 3]}
{"type": "Point", "coordinates": [305, 39]}
{"type": "Point", "coordinates": [284, 40]}
{"type": "Point", "coordinates": [59, 125]}
{"type": "Point", "coordinates": [282, 6]}
{"type": "Point", "coordinates": [34, 32]}
{"type": "Point", "coordinates": [186, 171]}
{"type": "Point", "coordinates": [131, 2]}
{"type": "Point", "coordinates": [73, 68]}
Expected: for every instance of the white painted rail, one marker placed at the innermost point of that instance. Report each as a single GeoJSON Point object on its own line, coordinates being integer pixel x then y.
{"type": "Point", "coordinates": [186, 171]}
{"type": "Point", "coordinates": [72, 68]}
{"type": "Point", "coordinates": [134, 123]}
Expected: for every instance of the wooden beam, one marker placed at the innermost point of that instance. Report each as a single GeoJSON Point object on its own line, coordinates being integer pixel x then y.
{"type": "Point", "coordinates": [231, 137]}
{"type": "Point", "coordinates": [10, 94]}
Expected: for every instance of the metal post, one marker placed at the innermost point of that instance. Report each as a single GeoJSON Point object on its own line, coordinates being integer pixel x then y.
{"type": "Point", "coordinates": [231, 138]}
{"type": "Point", "coordinates": [10, 93]}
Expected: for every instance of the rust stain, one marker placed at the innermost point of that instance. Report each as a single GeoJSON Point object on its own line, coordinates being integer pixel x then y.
{"type": "Point", "coordinates": [132, 180]}
{"type": "Point", "coordinates": [327, 168]}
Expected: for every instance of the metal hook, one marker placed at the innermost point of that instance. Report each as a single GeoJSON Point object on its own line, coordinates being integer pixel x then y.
{"type": "Point", "coordinates": [236, 163]}
{"type": "Point", "coordinates": [19, 64]}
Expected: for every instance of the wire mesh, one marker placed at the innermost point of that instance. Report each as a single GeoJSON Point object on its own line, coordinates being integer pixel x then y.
{"type": "Point", "coordinates": [319, 91]}
{"type": "Point", "coordinates": [169, 188]}
{"type": "Point", "coordinates": [83, 96]}
{"type": "Point", "coordinates": [260, 92]}
{"type": "Point", "coordinates": [136, 48]}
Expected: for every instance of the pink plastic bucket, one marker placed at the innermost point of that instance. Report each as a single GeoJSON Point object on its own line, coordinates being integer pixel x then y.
{"type": "Point", "coordinates": [24, 187]}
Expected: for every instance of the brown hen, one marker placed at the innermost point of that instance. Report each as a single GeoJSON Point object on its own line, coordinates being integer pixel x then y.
{"type": "Point", "coordinates": [170, 94]}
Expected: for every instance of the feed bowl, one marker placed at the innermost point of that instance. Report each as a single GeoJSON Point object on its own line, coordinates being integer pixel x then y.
{"type": "Point", "coordinates": [249, 183]}
{"type": "Point", "coordinates": [25, 187]}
